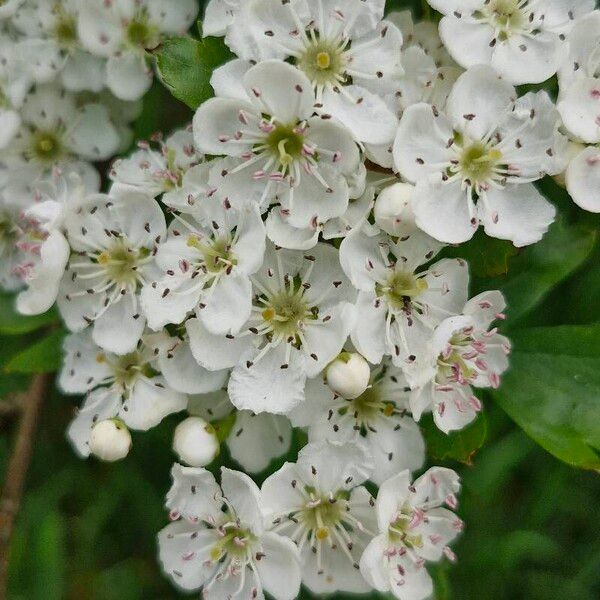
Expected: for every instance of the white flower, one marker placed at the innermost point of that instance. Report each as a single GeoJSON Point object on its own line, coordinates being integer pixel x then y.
{"type": "Point", "coordinates": [376, 419]}
{"type": "Point", "coordinates": [58, 132]}
{"type": "Point", "coordinates": [413, 528]}
{"type": "Point", "coordinates": [122, 31]}
{"type": "Point", "coordinates": [195, 442]}
{"type": "Point", "coordinates": [218, 16]}
{"type": "Point", "coordinates": [349, 55]}
{"type": "Point", "coordinates": [125, 387]}
{"type": "Point", "coordinates": [255, 439]}
{"type": "Point", "coordinates": [52, 45]}
{"type": "Point", "coordinates": [348, 375]}
{"type": "Point", "coordinates": [319, 503]}
{"type": "Point", "coordinates": [226, 552]}
{"type": "Point", "coordinates": [280, 149]}
{"type": "Point", "coordinates": [399, 303]}
{"type": "Point", "coordinates": [208, 261]}
{"type": "Point", "coordinates": [301, 318]}
{"type": "Point", "coordinates": [393, 211]}
{"type": "Point", "coordinates": [110, 440]}
{"type": "Point", "coordinates": [523, 41]}
{"type": "Point", "coordinates": [156, 170]}
{"type": "Point", "coordinates": [579, 107]}
{"type": "Point", "coordinates": [113, 241]}
{"type": "Point", "coordinates": [475, 163]}
{"type": "Point", "coordinates": [463, 354]}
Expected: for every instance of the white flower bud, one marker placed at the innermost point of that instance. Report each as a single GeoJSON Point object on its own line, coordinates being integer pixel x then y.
{"type": "Point", "coordinates": [348, 375]}
{"type": "Point", "coordinates": [110, 440]}
{"type": "Point", "coordinates": [393, 211]}
{"type": "Point", "coordinates": [195, 442]}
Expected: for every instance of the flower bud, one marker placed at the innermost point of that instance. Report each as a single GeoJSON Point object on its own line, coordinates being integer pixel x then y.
{"type": "Point", "coordinates": [195, 442]}
{"type": "Point", "coordinates": [348, 375]}
{"type": "Point", "coordinates": [110, 440]}
{"type": "Point", "coordinates": [393, 211]}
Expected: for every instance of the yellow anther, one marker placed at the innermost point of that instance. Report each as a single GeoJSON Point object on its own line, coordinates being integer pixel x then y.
{"type": "Point", "coordinates": [495, 154]}
{"type": "Point", "coordinates": [46, 144]}
{"type": "Point", "coordinates": [321, 533]}
{"type": "Point", "coordinates": [268, 314]}
{"type": "Point", "coordinates": [323, 60]}
{"type": "Point", "coordinates": [100, 358]}
{"type": "Point", "coordinates": [103, 257]}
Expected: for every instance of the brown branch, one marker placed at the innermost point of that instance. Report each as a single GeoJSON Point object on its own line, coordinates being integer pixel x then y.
{"type": "Point", "coordinates": [16, 471]}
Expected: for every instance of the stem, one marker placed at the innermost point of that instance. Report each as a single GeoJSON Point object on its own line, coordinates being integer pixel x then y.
{"type": "Point", "coordinates": [18, 465]}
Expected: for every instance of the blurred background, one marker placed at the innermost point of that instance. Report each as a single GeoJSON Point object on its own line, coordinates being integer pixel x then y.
{"type": "Point", "coordinates": [88, 530]}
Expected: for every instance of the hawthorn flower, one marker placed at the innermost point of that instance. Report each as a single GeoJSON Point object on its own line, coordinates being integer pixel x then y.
{"type": "Point", "coordinates": [254, 439]}
{"type": "Point", "coordinates": [522, 41]}
{"type": "Point", "coordinates": [400, 303]}
{"type": "Point", "coordinates": [122, 31]}
{"type": "Point", "coordinates": [156, 170]}
{"type": "Point", "coordinates": [268, 127]}
{"type": "Point", "coordinates": [464, 353]}
{"type": "Point", "coordinates": [220, 544]}
{"type": "Point", "coordinates": [320, 503]}
{"type": "Point", "coordinates": [58, 132]}
{"type": "Point", "coordinates": [414, 528]}
{"type": "Point", "coordinates": [300, 320]}
{"type": "Point", "coordinates": [476, 162]}
{"type": "Point", "coordinates": [125, 387]}
{"type": "Point", "coordinates": [377, 419]}
{"type": "Point", "coordinates": [347, 52]}
{"type": "Point", "coordinates": [113, 242]}
{"type": "Point", "coordinates": [52, 45]}
{"type": "Point", "coordinates": [208, 261]}
{"type": "Point", "coordinates": [579, 107]}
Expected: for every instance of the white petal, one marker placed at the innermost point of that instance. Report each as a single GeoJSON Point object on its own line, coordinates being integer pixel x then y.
{"type": "Point", "coordinates": [120, 327]}
{"type": "Point", "coordinates": [580, 109]}
{"type": "Point", "coordinates": [265, 386]}
{"type": "Point", "coordinates": [98, 32]}
{"type": "Point", "coordinates": [172, 17]}
{"type": "Point", "coordinates": [467, 42]}
{"type": "Point", "coordinates": [279, 568]}
{"type": "Point", "coordinates": [373, 563]}
{"type": "Point", "coordinates": [283, 234]}
{"type": "Point", "coordinates": [369, 331]}
{"type": "Point", "coordinates": [583, 179]}
{"type": "Point", "coordinates": [392, 494]}
{"type": "Point", "coordinates": [93, 136]}
{"type": "Point", "coordinates": [256, 440]}
{"type": "Point", "coordinates": [10, 121]}
{"type": "Point", "coordinates": [448, 286]}
{"type": "Point", "coordinates": [128, 76]}
{"type": "Point", "coordinates": [442, 211]}
{"type": "Point", "coordinates": [227, 80]}
{"type": "Point", "coordinates": [228, 306]}
{"type": "Point", "coordinates": [214, 352]}
{"type": "Point", "coordinates": [518, 213]}
{"type": "Point", "coordinates": [421, 143]}
{"type": "Point", "coordinates": [244, 496]}
{"type": "Point", "coordinates": [477, 99]}
{"type": "Point", "coordinates": [84, 72]}
{"type": "Point", "coordinates": [280, 90]}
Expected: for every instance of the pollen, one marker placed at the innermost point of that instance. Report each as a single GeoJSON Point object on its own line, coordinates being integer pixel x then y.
{"type": "Point", "coordinates": [268, 314]}
{"type": "Point", "coordinates": [322, 533]}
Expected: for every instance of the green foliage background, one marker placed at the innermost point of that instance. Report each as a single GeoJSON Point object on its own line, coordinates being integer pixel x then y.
{"type": "Point", "coordinates": [87, 530]}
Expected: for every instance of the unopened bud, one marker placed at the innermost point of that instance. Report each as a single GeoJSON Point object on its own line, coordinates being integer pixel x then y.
{"type": "Point", "coordinates": [393, 211]}
{"type": "Point", "coordinates": [110, 440]}
{"type": "Point", "coordinates": [348, 375]}
{"type": "Point", "coordinates": [195, 442]}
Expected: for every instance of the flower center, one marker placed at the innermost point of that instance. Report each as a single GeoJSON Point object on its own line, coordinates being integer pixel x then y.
{"type": "Point", "coordinates": [46, 146]}
{"type": "Point", "coordinates": [120, 263]}
{"type": "Point", "coordinates": [284, 312]}
{"type": "Point", "coordinates": [285, 143]}
{"type": "Point", "coordinates": [504, 15]}
{"type": "Point", "coordinates": [126, 369]}
{"type": "Point", "coordinates": [234, 543]}
{"type": "Point", "coordinates": [401, 288]}
{"type": "Point", "coordinates": [477, 162]}
{"type": "Point", "coordinates": [323, 62]}
{"type": "Point", "coordinates": [141, 33]}
{"type": "Point", "coordinates": [65, 31]}
{"type": "Point", "coordinates": [322, 515]}
{"type": "Point", "coordinates": [400, 528]}
{"type": "Point", "coordinates": [216, 253]}
{"type": "Point", "coordinates": [453, 362]}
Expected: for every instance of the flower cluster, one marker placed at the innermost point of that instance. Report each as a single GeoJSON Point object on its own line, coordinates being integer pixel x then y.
{"type": "Point", "coordinates": [280, 263]}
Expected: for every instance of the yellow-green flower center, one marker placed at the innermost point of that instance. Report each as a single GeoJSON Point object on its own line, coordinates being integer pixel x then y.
{"type": "Point", "coordinates": [286, 144]}
{"type": "Point", "coordinates": [323, 62]}
{"type": "Point", "coordinates": [46, 146]}
{"type": "Point", "coordinates": [477, 162]}
{"type": "Point", "coordinates": [284, 312]}
{"type": "Point", "coordinates": [121, 262]}
{"type": "Point", "coordinates": [401, 288]}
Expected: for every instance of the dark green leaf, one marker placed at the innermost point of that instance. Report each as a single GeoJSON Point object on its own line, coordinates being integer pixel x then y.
{"type": "Point", "coordinates": [542, 266]}
{"type": "Point", "coordinates": [13, 323]}
{"type": "Point", "coordinates": [552, 389]}
{"type": "Point", "coordinates": [186, 65]}
{"type": "Point", "coordinates": [458, 445]}
{"type": "Point", "coordinates": [44, 356]}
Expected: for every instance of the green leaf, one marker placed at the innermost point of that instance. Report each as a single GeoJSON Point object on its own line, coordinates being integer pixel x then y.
{"type": "Point", "coordinates": [541, 267]}
{"type": "Point", "coordinates": [44, 356]}
{"type": "Point", "coordinates": [552, 389]}
{"type": "Point", "coordinates": [459, 445]}
{"type": "Point", "coordinates": [185, 66]}
{"type": "Point", "coordinates": [13, 323]}
{"type": "Point", "coordinates": [487, 257]}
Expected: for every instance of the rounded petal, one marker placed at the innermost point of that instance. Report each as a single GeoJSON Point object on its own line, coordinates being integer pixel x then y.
{"type": "Point", "coordinates": [245, 498]}
{"type": "Point", "coordinates": [279, 568]}
{"type": "Point", "coordinates": [579, 108]}
{"type": "Point", "coordinates": [128, 76]}
{"type": "Point", "coordinates": [466, 41]}
{"type": "Point", "coordinates": [120, 327]}
{"type": "Point", "coordinates": [368, 334]}
{"type": "Point", "coordinates": [93, 136]}
{"type": "Point", "coordinates": [583, 179]}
